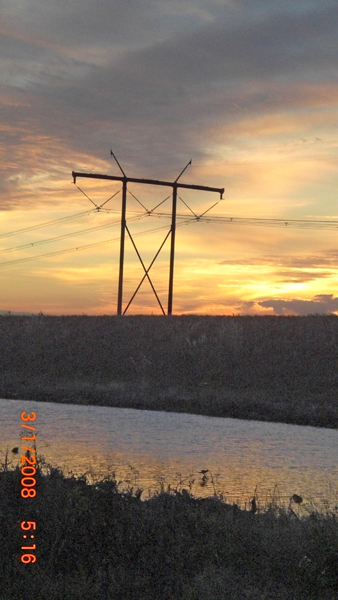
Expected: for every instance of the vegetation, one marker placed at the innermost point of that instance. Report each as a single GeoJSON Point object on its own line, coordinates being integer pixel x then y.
{"type": "Point", "coordinates": [268, 368]}
{"type": "Point", "coordinates": [100, 542]}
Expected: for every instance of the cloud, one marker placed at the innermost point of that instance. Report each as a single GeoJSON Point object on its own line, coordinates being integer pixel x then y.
{"type": "Point", "coordinates": [218, 65]}
{"type": "Point", "coordinates": [323, 304]}
{"type": "Point", "coordinates": [320, 260]}
{"type": "Point", "coordinates": [276, 46]}
{"type": "Point", "coordinates": [304, 276]}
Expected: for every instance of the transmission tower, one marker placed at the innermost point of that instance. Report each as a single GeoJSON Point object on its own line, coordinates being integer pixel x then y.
{"type": "Point", "coordinates": [175, 185]}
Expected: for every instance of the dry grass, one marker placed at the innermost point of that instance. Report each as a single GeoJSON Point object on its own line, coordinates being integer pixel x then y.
{"type": "Point", "coordinates": [282, 369]}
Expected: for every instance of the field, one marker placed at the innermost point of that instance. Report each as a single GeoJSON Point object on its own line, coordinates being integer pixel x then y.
{"type": "Point", "coordinates": [282, 369]}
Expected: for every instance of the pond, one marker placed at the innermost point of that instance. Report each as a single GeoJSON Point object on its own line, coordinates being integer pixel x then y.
{"type": "Point", "coordinates": [147, 448]}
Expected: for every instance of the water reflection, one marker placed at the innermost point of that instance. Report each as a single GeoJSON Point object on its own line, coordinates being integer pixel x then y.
{"type": "Point", "coordinates": [243, 458]}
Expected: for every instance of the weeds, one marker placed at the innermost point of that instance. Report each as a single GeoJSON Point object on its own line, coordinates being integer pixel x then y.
{"type": "Point", "coordinates": [101, 542]}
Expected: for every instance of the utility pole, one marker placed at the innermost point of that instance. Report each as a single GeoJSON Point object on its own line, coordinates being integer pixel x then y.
{"type": "Point", "coordinates": [123, 232]}
{"type": "Point", "coordinates": [174, 185]}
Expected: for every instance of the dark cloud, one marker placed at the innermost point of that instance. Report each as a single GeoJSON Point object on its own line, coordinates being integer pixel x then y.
{"type": "Point", "coordinates": [91, 22]}
{"type": "Point", "coordinates": [324, 304]}
{"type": "Point", "coordinates": [294, 276]}
{"type": "Point", "coordinates": [320, 260]}
{"type": "Point", "coordinates": [276, 46]}
{"type": "Point", "coordinates": [160, 82]}
{"type": "Point", "coordinates": [176, 84]}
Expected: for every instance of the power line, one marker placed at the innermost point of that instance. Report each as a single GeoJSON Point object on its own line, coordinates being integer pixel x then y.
{"type": "Point", "coordinates": [291, 223]}
{"type": "Point", "coordinates": [66, 235]}
{"type": "Point", "coordinates": [175, 186]}
{"type": "Point", "coordinates": [82, 247]}
{"type": "Point", "coordinates": [256, 221]}
{"type": "Point", "coordinates": [300, 223]}
{"type": "Point", "coordinates": [47, 223]}
{"type": "Point", "coordinates": [262, 222]}
{"type": "Point", "coordinates": [98, 208]}
{"type": "Point", "coordinates": [253, 221]}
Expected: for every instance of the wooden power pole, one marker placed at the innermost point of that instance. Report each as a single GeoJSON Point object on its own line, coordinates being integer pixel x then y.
{"type": "Point", "coordinates": [175, 186]}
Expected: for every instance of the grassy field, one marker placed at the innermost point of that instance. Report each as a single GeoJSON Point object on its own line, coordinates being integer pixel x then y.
{"type": "Point", "coordinates": [281, 369]}
{"type": "Point", "coordinates": [97, 542]}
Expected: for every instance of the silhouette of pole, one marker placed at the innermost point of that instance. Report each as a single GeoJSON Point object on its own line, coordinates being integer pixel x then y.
{"type": "Point", "coordinates": [123, 233]}
{"type": "Point", "coordinates": [174, 185]}
{"type": "Point", "coordinates": [172, 251]}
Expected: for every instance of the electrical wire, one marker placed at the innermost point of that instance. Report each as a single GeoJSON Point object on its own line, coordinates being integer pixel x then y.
{"type": "Point", "coordinates": [226, 220]}
{"type": "Point", "coordinates": [294, 223]}
{"type": "Point", "coordinates": [98, 207]}
{"type": "Point", "coordinates": [47, 223]}
{"type": "Point", "coordinates": [290, 223]}
{"type": "Point", "coordinates": [261, 222]}
{"type": "Point", "coordinates": [66, 235]}
{"type": "Point", "coordinates": [95, 244]}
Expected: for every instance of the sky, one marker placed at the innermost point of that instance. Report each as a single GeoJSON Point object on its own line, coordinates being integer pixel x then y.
{"type": "Point", "coordinates": [245, 90]}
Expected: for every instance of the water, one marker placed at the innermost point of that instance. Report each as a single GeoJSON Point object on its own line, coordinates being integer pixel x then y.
{"type": "Point", "coordinates": [243, 458]}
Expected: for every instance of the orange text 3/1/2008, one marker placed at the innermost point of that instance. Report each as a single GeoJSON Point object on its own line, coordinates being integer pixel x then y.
{"type": "Point", "coordinates": [28, 483]}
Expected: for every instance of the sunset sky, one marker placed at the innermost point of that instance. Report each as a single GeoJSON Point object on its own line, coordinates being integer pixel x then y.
{"type": "Point", "coordinates": [246, 89]}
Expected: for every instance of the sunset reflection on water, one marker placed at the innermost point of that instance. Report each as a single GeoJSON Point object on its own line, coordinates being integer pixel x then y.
{"type": "Point", "coordinates": [147, 449]}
